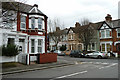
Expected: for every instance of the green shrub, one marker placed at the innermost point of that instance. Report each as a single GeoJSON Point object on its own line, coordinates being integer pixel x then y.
{"type": "Point", "coordinates": [63, 48]}
{"type": "Point", "coordinates": [10, 50]}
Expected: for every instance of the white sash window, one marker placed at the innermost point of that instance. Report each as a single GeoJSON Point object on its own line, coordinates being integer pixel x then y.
{"type": "Point", "coordinates": [39, 23]}
{"type": "Point", "coordinates": [39, 45]}
{"type": "Point", "coordinates": [23, 22]}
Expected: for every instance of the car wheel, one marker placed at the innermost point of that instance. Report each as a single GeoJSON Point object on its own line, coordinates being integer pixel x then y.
{"type": "Point", "coordinates": [80, 56]}
{"type": "Point", "coordinates": [99, 57]}
{"type": "Point", "coordinates": [87, 56]}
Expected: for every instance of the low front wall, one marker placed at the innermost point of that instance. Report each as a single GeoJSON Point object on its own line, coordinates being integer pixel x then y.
{"type": "Point", "coordinates": [8, 59]}
{"type": "Point", "coordinates": [47, 58]}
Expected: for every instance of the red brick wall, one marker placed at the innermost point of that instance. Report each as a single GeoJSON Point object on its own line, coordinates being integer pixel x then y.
{"type": "Point", "coordinates": [113, 39]}
{"type": "Point", "coordinates": [47, 58]}
{"type": "Point", "coordinates": [18, 21]}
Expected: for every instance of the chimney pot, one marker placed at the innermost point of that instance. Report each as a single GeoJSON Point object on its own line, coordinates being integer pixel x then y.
{"type": "Point", "coordinates": [35, 5]}
{"type": "Point", "coordinates": [108, 18]}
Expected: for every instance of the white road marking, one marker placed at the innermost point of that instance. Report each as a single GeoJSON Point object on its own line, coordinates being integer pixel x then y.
{"type": "Point", "coordinates": [101, 67]}
{"type": "Point", "coordinates": [76, 62]}
{"type": "Point", "coordinates": [105, 63]}
{"type": "Point", "coordinates": [71, 74]}
{"type": "Point", "coordinates": [113, 64]}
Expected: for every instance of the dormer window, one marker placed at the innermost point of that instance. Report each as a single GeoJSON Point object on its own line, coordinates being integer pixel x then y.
{"type": "Point", "coordinates": [32, 23]}
{"type": "Point", "coordinates": [23, 22]}
{"type": "Point", "coordinates": [39, 23]}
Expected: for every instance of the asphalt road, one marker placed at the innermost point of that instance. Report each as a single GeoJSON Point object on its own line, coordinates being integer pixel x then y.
{"type": "Point", "coordinates": [83, 68]}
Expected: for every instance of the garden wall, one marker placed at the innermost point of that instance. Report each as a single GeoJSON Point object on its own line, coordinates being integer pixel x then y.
{"type": "Point", "coordinates": [47, 58]}
{"type": "Point", "coordinates": [8, 59]}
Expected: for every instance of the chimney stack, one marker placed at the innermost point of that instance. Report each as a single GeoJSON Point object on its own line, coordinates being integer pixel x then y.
{"type": "Point", "coordinates": [108, 18]}
{"type": "Point", "coordinates": [77, 24]}
{"type": "Point", "coordinates": [57, 28]}
{"type": "Point", "coordinates": [35, 5]}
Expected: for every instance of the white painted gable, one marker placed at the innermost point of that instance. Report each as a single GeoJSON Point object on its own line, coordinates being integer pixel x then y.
{"type": "Point", "coordinates": [70, 31]}
{"type": "Point", "coordinates": [104, 26]}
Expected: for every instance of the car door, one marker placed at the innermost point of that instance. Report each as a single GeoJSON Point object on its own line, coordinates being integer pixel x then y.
{"type": "Point", "coordinates": [90, 54]}
{"type": "Point", "coordinates": [95, 54]}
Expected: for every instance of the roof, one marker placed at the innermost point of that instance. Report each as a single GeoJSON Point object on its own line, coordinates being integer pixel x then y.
{"type": "Point", "coordinates": [60, 32]}
{"type": "Point", "coordinates": [113, 24]}
{"type": "Point", "coordinates": [18, 6]}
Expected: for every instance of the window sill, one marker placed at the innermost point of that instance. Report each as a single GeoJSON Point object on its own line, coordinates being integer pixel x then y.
{"type": "Point", "coordinates": [71, 39]}
{"type": "Point", "coordinates": [22, 28]}
{"type": "Point", "coordinates": [106, 38]}
{"type": "Point", "coordinates": [118, 37]}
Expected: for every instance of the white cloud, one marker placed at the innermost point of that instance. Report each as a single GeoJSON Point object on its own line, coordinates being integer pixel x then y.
{"type": "Point", "coordinates": [70, 11]}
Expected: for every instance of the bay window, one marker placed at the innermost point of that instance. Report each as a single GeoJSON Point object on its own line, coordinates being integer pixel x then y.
{"type": "Point", "coordinates": [107, 33]}
{"type": "Point", "coordinates": [108, 47]}
{"type": "Point", "coordinates": [32, 45]}
{"type": "Point", "coordinates": [32, 23]}
{"type": "Point", "coordinates": [118, 32]}
{"type": "Point", "coordinates": [23, 22]}
{"type": "Point", "coordinates": [39, 23]}
{"type": "Point", "coordinates": [103, 47]}
{"type": "Point", "coordinates": [39, 45]}
{"type": "Point", "coordinates": [102, 33]}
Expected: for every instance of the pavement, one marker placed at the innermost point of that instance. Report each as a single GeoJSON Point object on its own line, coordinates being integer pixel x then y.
{"type": "Point", "coordinates": [33, 67]}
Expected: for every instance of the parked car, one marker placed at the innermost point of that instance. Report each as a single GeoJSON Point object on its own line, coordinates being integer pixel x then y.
{"type": "Point", "coordinates": [76, 53]}
{"type": "Point", "coordinates": [67, 52]}
{"type": "Point", "coordinates": [60, 53]}
{"type": "Point", "coordinates": [97, 54]}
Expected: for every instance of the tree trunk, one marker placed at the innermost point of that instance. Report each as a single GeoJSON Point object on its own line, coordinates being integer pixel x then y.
{"type": "Point", "coordinates": [85, 48]}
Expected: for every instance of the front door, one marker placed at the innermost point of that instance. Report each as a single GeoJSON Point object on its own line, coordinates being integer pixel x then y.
{"type": "Point", "coordinates": [22, 46]}
{"type": "Point", "coordinates": [118, 48]}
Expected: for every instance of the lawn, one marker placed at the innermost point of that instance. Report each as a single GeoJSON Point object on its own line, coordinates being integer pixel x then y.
{"type": "Point", "coordinates": [10, 64]}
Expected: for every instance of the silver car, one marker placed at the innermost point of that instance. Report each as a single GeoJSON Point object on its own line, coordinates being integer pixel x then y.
{"type": "Point", "coordinates": [97, 54]}
{"type": "Point", "coordinates": [60, 53]}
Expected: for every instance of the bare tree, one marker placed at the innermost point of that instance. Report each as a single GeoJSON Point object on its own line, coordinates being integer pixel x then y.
{"type": "Point", "coordinates": [86, 33]}
{"type": "Point", "coordinates": [55, 33]}
{"type": "Point", "coordinates": [9, 12]}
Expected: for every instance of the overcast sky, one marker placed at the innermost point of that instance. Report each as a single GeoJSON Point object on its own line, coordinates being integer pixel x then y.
{"type": "Point", "coordinates": [71, 11]}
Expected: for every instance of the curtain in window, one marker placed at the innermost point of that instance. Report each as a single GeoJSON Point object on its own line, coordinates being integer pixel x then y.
{"type": "Point", "coordinates": [23, 22]}
{"type": "Point", "coordinates": [39, 23]}
{"type": "Point", "coordinates": [32, 23]}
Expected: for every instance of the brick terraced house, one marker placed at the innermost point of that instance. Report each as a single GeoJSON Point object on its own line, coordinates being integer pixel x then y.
{"type": "Point", "coordinates": [109, 33]}
{"type": "Point", "coordinates": [28, 31]}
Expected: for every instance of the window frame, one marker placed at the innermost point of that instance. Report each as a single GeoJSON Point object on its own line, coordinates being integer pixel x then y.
{"type": "Point", "coordinates": [108, 47]}
{"type": "Point", "coordinates": [40, 45]}
{"type": "Point", "coordinates": [32, 23]}
{"type": "Point", "coordinates": [40, 23]}
{"type": "Point", "coordinates": [22, 22]}
{"type": "Point", "coordinates": [102, 48]}
{"type": "Point", "coordinates": [118, 32]}
{"type": "Point", "coordinates": [33, 46]}
{"type": "Point", "coordinates": [107, 33]}
{"type": "Point", "coordinates": [102, 34]}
